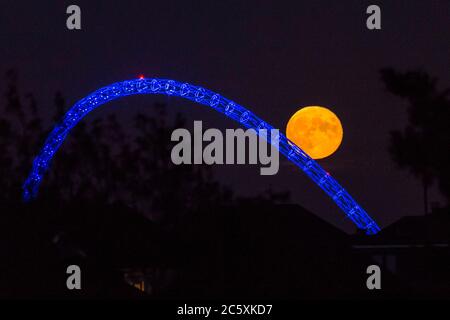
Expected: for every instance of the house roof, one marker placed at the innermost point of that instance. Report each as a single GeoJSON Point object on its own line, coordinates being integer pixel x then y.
{"type": "Point", "coordinates": [416, 231]}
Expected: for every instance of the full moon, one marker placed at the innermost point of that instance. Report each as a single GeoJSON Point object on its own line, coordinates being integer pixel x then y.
{"type": "Point", "coordinates": [316, 130]}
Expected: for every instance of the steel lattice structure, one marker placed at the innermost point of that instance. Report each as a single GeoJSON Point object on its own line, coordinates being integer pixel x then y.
{"type": "Point", "coordinates": [202, 96]}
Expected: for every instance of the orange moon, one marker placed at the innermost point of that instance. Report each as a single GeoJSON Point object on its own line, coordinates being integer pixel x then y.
{"type": "Point", "coordinates": [316, 130]}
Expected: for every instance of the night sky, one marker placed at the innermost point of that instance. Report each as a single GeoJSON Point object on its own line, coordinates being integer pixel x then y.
{"type": "Point", "coordinates": [271, 56]}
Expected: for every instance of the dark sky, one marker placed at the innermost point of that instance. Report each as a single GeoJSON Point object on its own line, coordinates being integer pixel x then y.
{"type": "Point", "coordinates": [270, 56]}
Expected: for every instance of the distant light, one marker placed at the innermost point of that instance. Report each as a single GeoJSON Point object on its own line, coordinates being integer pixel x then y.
{"type": "Point", "coordinates": [141, 76]}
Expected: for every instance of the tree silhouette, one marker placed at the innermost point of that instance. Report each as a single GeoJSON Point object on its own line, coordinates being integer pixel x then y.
{"type": "Point", "coordinates": [423, 146]}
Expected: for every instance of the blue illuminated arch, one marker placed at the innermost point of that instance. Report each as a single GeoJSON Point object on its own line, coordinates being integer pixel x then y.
{"type": "Point", "coordinates": [202, 96]}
